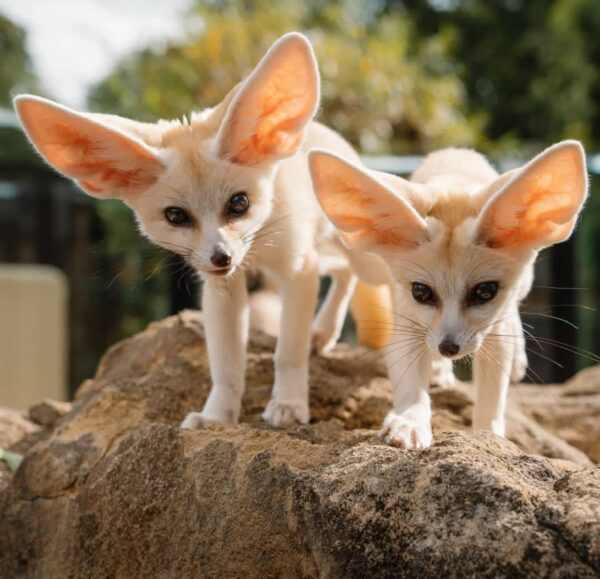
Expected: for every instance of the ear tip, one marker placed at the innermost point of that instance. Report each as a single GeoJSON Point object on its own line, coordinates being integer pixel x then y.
{"type": "Point", "coordinates": [573, 145]}
{"type": "Point", "coordinates": [23, 102]}
{"type": "Point", "coordinates": [295, 37]}
{"type": "Point", "coordinates": [299, 42]}
{"type": "Point", "coordinates": [318, 152]}
{"type": "Point", "coordinates": [319, 157]}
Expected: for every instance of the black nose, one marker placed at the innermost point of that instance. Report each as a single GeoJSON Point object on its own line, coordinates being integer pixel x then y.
{"type": "Point", "coordinates": [220, 258]}
{"type": "Point", "coordinates": [448, 347]}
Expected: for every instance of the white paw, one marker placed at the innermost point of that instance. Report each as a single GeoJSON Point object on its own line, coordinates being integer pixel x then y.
{"type": "Point", "coordinates": [197, 420]}
{"type": "Point", "coordinates": [442, 374]}
{"type": "Point", "coordinates": [406, 432]}
{"type": "Point", "coordinates": [519, 368]}
{"type": "Point", "coordinates": [282, 413]}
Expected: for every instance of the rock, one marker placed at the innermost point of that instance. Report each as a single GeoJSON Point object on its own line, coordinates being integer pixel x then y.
{"type": "Point", "coordinates": [258, 502]}
{"type": "Point", "coordinates": [13, 427]}
{"type": "Point", "coordinates": [571, 411]}
{"type": "Point", "coordinates": [47, 412]}
{"type": "Point", "coordinates": [117, 489]}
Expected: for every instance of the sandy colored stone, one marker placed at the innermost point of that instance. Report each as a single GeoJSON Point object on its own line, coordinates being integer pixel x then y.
{"type": "Point", "coordinates": [13, 427]}
{"type": "Point", "coordinates": [571, 411]}
{"type": "Point", "coordinates": [48, 412]}
{"type": "Point", "coordinates": [118, 490]}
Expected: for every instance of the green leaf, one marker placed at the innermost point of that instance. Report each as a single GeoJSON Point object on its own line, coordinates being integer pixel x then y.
{"type": "Point", "coordinates": [12, 459]}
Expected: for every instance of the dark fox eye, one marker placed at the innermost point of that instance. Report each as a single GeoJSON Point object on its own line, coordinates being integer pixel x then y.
{"type": "Point", "coordinates": [482, 292]}
{"type": "Point", "coordinates": [177, 216]}
{"type": "Point", "coordinates": [238, 204]}
{"type": "Point", "coordinates": [423, 294]}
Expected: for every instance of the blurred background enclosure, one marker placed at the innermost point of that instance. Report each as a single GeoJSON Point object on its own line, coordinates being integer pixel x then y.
{"type": "Point", "coordinates": [399, 78]}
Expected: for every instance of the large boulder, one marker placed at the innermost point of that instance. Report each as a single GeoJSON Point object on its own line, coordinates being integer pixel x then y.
{"type": "Point", "coordinates": [117, 489]}
{"type": "Point", "coordinates": [571, 411]}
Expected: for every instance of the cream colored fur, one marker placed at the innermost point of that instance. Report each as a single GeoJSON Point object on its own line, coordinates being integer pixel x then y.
{"type": "Point", "coordinates": [256, 141]}
{"type": "Point", "coordinates": [455, 225]}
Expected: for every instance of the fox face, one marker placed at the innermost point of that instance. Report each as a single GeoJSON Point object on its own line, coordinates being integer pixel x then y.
{"type": "Point", "coordinates": [208, 210]}
{"type": "Point", "coordinates": [202, 187]}
{"type": "Point", "coordinates": [460, 248]}
{"type": "Point", "coordinates": [449, 291]}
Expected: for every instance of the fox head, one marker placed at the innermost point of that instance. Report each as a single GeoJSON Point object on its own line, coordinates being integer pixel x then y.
{"type": "Point", "coordinates": [458, 257]}
{"type": "Point", "coordinates": [202, 188]}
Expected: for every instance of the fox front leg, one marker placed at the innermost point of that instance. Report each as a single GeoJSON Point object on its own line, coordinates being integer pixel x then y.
{"type": "Point", "coordinates": [491, 376]}
{"type": "Point", "coordinates": [289, 400]}
{"type": "Point", "coordinates": [408, 425]}
{"type": "Point", "coordinates": [225, 314]}
{"type": "Point", "coordinates": [520, 362]}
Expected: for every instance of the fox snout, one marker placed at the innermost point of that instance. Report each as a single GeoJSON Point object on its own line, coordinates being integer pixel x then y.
{"type": "Point", "coordinates": [220, 256]}
{"type": "Point", "coordinates": [448, 347]}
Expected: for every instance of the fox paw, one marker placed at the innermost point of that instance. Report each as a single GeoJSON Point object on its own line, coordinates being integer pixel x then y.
{"type": "Point", "coordinates": [403, 432]}
{"type": "Point", "coordinates": [281, 413]}
{"type": "Point", "coordinates": [197, 421]}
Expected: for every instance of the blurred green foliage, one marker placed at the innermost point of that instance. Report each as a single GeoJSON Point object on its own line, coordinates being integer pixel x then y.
{"type": "Point", "coordinates": [385, 86]}
{"type": "Point", "coordinates": [15, 71]}
{"type": "Point", "coordinates": [401, 76]}
{"type": "Point", "coordinates": [532, 65]}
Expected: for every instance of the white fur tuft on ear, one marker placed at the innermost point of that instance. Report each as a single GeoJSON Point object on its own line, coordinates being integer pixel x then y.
{"type": "Point", "coordinates": [103, 160]}
{"type": "Point", "coordinates": [369, 215]}
{"type": "Point", "coordinates": [266, 118]}
{"type": "Point", "coordinates": [539, 205]}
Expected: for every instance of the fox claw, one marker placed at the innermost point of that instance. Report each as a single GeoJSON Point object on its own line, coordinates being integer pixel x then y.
{"type": "Point", "coordinates": [280, 413]}
{"type": "Point", "coordinates": [198, 421]}
{"type": "Point", "coordinates": [406, 433]}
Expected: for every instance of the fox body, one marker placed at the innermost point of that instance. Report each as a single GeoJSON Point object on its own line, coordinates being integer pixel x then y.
{"type": "Point", "coordinates": [229, 189]}
{"type": "Point", "coordinates": [460, 241]}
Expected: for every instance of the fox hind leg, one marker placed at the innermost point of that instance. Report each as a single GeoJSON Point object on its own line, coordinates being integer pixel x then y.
{"type": "Point", "coordinates": [328, 324]}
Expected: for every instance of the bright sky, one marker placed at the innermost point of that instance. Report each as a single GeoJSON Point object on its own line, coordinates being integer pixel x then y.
{"type": "Point", "coordinates": [74, 43]}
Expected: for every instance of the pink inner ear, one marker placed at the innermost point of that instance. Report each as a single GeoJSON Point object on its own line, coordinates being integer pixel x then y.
{"type": "Point", "coordinates": [104, 162]}
{"type": "Point", "coordinates": [266, 120]}
{"type": "Point", "coordinates": [97, 168]}
{"type": "Point", "coordinates": [278, 127]}
{"type": "Point", "coordinates": [367, 214]}
{"type": "Point", "coordinates": [539, 208]}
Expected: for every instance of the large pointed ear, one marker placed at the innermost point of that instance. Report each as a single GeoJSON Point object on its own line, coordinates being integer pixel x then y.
{"type": "Point", "coordinates": [103, 160]}
{"type": "Point", "coordinates": [368, 214]}
{"type": "Point", "coordinates": [539, 205]}
{"type": "Point", "coordinates": [265, 120]}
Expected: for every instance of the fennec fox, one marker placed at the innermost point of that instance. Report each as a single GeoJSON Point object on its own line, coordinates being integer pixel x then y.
{"type": "Point", "coordinates": [460, 241]}
{"type": "Point", "coordinates": [229, 189]}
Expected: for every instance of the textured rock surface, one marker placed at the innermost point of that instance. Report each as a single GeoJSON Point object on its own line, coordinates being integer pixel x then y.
{"type": "Point", "coordinates": [118, 490]}
{"type": "Point", "coordinates": [571, 411]}
{"type": "Point", "coordinates": [13, 427]}
{"type": "Point", "coordinates": [48, 412]}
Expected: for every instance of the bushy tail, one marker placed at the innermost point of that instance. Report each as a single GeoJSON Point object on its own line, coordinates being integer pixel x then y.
{"type": "Point", "coordinates": [371, 307]}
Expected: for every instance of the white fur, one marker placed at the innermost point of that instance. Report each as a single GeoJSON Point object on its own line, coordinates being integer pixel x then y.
{"type": "Point", "coordinates": [256, 141]}
{"type": "Point", "coordinates": [455, 225]}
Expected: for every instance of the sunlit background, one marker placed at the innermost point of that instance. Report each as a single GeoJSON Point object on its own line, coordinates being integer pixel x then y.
{"type": "Point", "coordinates": [400, 78]}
